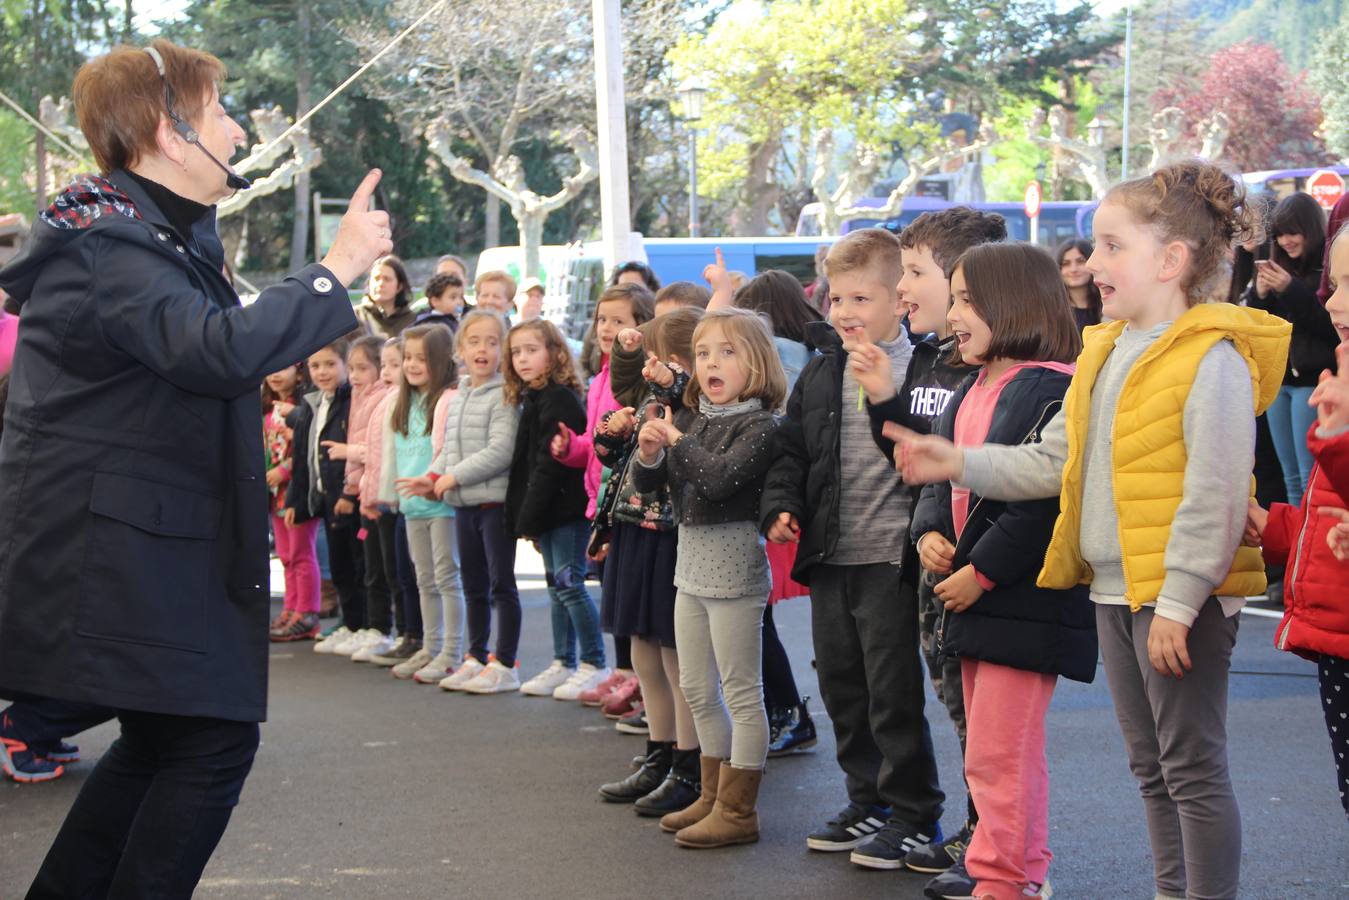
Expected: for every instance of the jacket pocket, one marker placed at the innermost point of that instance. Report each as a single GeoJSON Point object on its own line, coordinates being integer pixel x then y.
{"type": "Point", "coordinates": [149, 561]}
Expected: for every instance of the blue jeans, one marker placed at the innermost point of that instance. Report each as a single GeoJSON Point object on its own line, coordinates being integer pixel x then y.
{"type": "Point", "coordinates": [573, 609]}
{"type": "Point", "coordinates": [1290, 418]}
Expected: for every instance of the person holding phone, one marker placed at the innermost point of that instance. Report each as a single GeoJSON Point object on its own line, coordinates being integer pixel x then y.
{"type": "Point", "coordinates": [1285, 284]}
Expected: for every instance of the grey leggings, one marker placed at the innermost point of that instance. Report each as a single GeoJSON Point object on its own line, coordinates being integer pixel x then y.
{"type": "Point", "coordinates": [721, 653]}
{"type": "Point", "coordinates": [1175, 731]}
{"type": "Point", "coordinates": [435, 556]}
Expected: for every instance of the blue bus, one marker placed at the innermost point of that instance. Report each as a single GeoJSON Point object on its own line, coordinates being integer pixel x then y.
{"type": "Point", "coordinates": [1059, 219]}
{"type": "Point", "coordinates": [683, 259]}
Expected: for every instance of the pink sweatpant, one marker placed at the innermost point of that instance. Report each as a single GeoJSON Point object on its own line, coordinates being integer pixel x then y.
{"type": "Point", "coordinates": [1008, 776]}
{"type": "Point", "coordinates": [299, 558]}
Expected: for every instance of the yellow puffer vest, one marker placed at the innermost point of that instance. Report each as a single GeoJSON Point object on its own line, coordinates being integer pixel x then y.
{"type": "Point", "coordinates": [1149, 443]}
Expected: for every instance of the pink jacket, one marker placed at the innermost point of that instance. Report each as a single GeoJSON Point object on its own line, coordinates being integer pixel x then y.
{"type": "Point", "coordinates": [364, 401]}
{"type": "Point", "coordinates": [581, 453]}
{"type": "Point", "coordinates": [9, 334]}
{"type": "Point", "coordinates": [377, 485]}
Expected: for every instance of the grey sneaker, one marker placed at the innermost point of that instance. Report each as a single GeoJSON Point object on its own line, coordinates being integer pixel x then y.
{"type": "Point", "coordinates": [412, 665]}
{"type": "Point", "coordinates": [401, 652]}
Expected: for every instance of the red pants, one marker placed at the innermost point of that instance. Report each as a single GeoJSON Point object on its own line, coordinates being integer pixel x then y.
{"type": "Point", "coordinates": [299, 558]}
{"type": "Point", "coordinates": [1008, 776]}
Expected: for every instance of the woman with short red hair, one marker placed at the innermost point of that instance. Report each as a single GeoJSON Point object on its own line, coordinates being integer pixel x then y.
{"type": "Point", "coordinates": [133, 567]}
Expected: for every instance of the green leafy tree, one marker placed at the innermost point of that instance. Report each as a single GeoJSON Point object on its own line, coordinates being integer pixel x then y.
{"type": "Point", "coordinates": [1326, 77]}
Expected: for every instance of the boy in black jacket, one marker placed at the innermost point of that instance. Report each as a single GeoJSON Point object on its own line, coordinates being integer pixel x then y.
{"type": "Point", "coordinates": [833, 493]}
{"type": "Point", "coordinates": [317, 481]}
{"type": "Point", "coordinates": [931, 246]}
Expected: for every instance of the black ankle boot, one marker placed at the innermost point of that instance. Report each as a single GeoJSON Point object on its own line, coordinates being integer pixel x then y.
{"type": "Point", "coordinates": [645, 779]}
{"type": "Point", "coordinates": [797, 733]}
{"type": "Point", "coordinates": [679, 789]}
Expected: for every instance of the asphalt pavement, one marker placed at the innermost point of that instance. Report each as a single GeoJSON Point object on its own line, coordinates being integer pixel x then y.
{"type": "Point", "coordinates": [367, 787]}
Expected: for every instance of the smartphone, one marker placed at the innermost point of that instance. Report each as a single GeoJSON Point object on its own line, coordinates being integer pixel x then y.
{"type": "Point", "coordinates": [1264, 251]}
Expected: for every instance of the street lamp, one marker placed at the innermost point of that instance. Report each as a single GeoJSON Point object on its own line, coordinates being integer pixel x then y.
{"type": "Point", "coordinates": [691, 95]}
{"type": "Point", "coordinates": [1096, 131]}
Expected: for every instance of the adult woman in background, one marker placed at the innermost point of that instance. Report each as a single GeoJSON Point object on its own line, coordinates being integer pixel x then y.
{"type": "Point", "coordinates": [133, 572]}
{"type": "Point", "coordinates": [1083, 294]}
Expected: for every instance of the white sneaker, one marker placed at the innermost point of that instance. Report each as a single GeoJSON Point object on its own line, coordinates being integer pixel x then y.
{"type": "Point", "coordinates": [585, 678]}
{"type": "Point", "coordinates": [376, 646]}
{"type": "Point", "coordinates": [356, 642]}
{"type": "Point", "coordinates": [547, 681]}
{"type": "Point", "coordinates": [337, 637]}
{"type": "Point", "coordinates": [494, 679]}
{"type": "Point", "coordinates": [412, 665]}
{"type": "Point", "coordinates": [462, 675]}
{"type": "Point", "coordinates": [435, 671]}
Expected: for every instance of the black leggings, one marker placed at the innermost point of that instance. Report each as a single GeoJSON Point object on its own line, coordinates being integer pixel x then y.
{"type": "Point", "coordinates": [779, 685]}
{"type": "Point", "coordinates": [1333, 674]}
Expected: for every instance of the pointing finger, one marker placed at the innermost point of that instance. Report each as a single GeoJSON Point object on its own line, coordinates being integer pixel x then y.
{"type": "Point", "coordinates": [360, 201]}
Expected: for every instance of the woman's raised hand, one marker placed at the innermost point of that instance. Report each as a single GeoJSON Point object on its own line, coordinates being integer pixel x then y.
{"type": "Point", "coordinates": [363, 235]}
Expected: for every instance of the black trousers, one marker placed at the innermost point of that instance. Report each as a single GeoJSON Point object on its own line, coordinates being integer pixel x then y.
{"type": "Point", "coordinates": [865, 625]}
{"type": "Point", "coordinates": [410, 620]}
{"type": "Point", "coordinates": [381, 574]}
{"type": "Point", "coordinates": [779, 684]}
{"type": "Point", "coordinates": [152, 812]}
{"type": "Point", "coordinates": [346, 565]}
{"type": "Point", "coordinates": [487, 569]}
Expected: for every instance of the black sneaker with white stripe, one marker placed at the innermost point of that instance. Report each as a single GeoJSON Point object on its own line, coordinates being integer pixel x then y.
{"type": "Point", "coordinates": [853, 825]}
{"type": "Point", "coordinates": [892, 843]}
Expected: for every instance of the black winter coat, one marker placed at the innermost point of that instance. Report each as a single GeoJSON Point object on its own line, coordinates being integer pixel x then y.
{"type": "Point", "coordinates": [302, 494]}
{"type": "Point", "coordinates": [1018, 623]}
{"type": "Point", "coordinates": [544, 494]}
{"type": "Point", "coordinates": [1311, 350]}
{"type": "Point", "coordinates": [804, 478]}
{"type": "Point", "coordinates": [133, 505]}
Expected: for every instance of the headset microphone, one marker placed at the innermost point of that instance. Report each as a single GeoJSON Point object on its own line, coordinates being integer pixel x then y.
{"type": "Point", "coordinates": [233, 180]}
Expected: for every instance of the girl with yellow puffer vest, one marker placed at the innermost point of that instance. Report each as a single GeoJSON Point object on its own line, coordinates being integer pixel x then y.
{"type": "Point", "coordinates": [1151, 459]}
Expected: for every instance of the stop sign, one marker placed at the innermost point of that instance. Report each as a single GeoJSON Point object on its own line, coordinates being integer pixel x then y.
{"type": "Point", "coordinates": [1326, 187]}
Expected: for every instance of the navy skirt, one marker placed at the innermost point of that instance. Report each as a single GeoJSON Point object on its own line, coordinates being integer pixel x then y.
{"type": "Point", "coordinates": [639, 593]}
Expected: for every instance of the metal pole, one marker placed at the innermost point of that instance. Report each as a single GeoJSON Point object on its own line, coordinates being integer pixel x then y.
{"type": "Point", "coordinates": [695, 227]}
{"type": "Point", "coordinates": [1128, 88]}
{"type": "Point", "coordinates": [615, 215]}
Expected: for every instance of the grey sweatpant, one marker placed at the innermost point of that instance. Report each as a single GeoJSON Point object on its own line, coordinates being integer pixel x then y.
{"type": "Point", "coordinates": [435, 556]}
{"type": "Point", "coordinates": [1175, 731]}
{"type": "Point", "coordinates": [721, 654]}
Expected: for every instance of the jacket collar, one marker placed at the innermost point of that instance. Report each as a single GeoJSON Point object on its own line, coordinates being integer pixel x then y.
{"type": "Point", "coordinates": [202, 235]}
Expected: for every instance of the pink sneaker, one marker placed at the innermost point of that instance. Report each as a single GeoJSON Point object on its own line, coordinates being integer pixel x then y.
{"type": "Point", "coordinates": [595, 696]}
{"type": "Point", "coordinates": [622, 700]}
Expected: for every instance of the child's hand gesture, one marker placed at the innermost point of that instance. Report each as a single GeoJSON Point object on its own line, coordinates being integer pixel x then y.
{"type": "Point", "coordinates": [785, 529]}
{"type": "Point", "coordinates": [1331, 397]}
{"type": "Point", "coordinates": [344, 507]}
{"type": "Point", "coordinates": [283, 409]}
{"type": "Point", "coordinates": [336, 449]}
{"type": "Point", "coordinates": [561, 442]}
{"type": "Point", "coordinates": [718, 278]}
{"type": "Point", "coordinates": [924, 458]}
{"type": "Point", "coordinates": [369, 512]}
{"type": "Point", "coordinates": [657, 372]}
{"type": "Point", "coordinates": [1256, 519]}
{"type": "Point", "coordinates": [959, 592]}
{"type": "Point", "coordinates": [1166, 647]}
{"type": "Point", "coordinates": [421, 486]}
{"type": "Point", "coordinates": [289, 517]}
{"type": "Point", "coordinates": [621, 421]}
{"type": "Point", "coordinates": [651, 440]}
{"type": "Point", "coordinates": [630, 339]}
{"type": "Point", "coordinates": [936, 553]}
{"type": "Point", "coordinates": [871, 367]}
{"type": "Point", "coordinates": [446, 482]}
{"type": "Point", "coordinates": [1338, 537]}
{"type": "Point", "coordinates": [275, 476]}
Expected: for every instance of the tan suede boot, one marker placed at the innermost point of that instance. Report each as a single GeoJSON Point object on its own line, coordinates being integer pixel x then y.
{"type": "Point", "coordinates": [733, 819]}
{"type": "Point", "coordinates": [701, 807]}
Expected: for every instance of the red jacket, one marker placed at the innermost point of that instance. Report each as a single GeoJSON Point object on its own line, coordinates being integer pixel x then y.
{"type": "Point", "coordinates": [1316, 617]}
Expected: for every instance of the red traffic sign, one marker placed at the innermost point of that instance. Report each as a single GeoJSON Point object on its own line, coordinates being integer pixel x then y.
{"type": "Point", "coordinates": [1033, 197]}
{"type": "Point", "coordinates": [1326, 187]}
